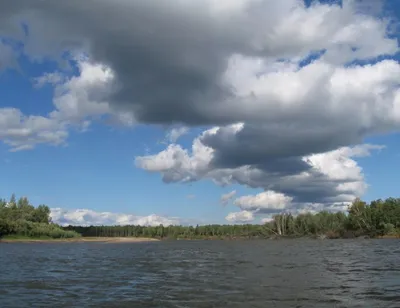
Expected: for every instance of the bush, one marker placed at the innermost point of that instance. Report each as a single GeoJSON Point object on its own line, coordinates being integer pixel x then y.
{"type": "Point", "coordinates": [37, 229]}
{"type": "Point", "coordinates": [23, 219]}
{"type": "Point", "coordinates": [389, 229]}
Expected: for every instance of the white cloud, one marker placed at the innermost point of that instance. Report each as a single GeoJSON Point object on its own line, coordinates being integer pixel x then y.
{"type": "Point", "coordinates": [48, 78]}
{"type": "Point", "coordinates": [268, 200]}
{"type": "Point", "coordinates": [317, 92]}
{"type": "Point", "coordinates": [174, 134]}
{"type": "Point", "coordinates": [284, 87]}
{"type": "Point", "coordinates": [330, 180]}
{"type": "Point", "coordinates": [253, 59]}
{"type": "Point", "coordinates": [249, 71]}
{"type": "Point", "coordinates": [80, 96]}
{"type": "Point", "coordinates": [338, 165]}
{"type": "Point", "coordinates": [86, 217]}
{"type": "Point", "coordinates": [176, 164]}
{"type": "Point", "coordinates": [25, 132]}
{"type": "Point", "coordinates": [225, 198]}
{"type": "Point", "coordinates": [77, 100]}
{"type": "Point", "coordinates": [266, 220]}
{"type": "Point", "coordinates": [240, 217]}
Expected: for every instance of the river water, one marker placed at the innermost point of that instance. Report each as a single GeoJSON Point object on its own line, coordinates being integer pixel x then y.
{"type": "Point", "coordinates": [261, 273]}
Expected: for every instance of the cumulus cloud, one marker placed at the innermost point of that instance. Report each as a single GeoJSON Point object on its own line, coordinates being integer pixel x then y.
{"type": "Point", "coordinates": [225, 198]}
{"type": "Point", "coordinates": [76, 102]}
{"type": "Point", "coordinates": [225, 65]}
{"type": "Point", "coordinates": [330, 179]}
{"type": "Point", "coordinates": [266, 220]}
{"type": "Point", "coordinates": [86, 217]}
{"type": "Point", "coordinates": [53, 78]}
{"type": "Point", "coordinates": [174, 134]}
{"type": "Point", "coordinates": [289, 92]}
{"type": "Point", "coordinates": [213, 71]}
{"type": "Point", "coordinates": [23, 132]}
{"type": "Point", "coordinates": [240, 217]}
{"type": "Point", "coordinates": [265, 201]}
{"type": "Point", "coordinates": [79, 97]}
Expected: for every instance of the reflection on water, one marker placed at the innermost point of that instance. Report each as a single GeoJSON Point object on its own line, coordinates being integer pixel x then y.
{"type": "Point", "coordinates": [292, 273]}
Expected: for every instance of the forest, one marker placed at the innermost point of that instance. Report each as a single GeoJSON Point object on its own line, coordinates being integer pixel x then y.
{"type": "Point", "coordinates": [20, 218]}
{"type": "Point", "coordinates": [375, 219]}
{"type": "Point", "coordinates": [379, 218]}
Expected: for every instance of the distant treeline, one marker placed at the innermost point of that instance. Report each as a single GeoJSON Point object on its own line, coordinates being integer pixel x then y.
{"type": "Point", "coordinates": [20, 218]}
{"type": "Point", "coordinates": [379, 218]}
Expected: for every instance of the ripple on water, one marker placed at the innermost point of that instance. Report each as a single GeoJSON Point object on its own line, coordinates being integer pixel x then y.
{"type": "Point", "coordinates": [199, 274]}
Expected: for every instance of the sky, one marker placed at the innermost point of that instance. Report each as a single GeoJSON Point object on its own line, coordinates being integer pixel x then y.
{"type": "Point", "coordinates": [197, 112]}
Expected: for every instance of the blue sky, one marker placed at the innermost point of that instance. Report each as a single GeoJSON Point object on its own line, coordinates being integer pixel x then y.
{"type": "Point", "coordinates": [130, 167]}
{"type": "Point", "coordinates": [95, 170]}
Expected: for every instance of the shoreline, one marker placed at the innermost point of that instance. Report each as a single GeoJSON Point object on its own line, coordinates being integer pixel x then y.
{"type": "Point", "coordinates": [146, 239]}
{"type": "Point", "coordinates": [389, 236]}
{"type": "Point", "coordinates": [81, 240]}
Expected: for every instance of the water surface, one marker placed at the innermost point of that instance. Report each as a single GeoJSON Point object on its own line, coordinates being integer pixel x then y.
{"type": "Point", "coordinates": [265, 273]}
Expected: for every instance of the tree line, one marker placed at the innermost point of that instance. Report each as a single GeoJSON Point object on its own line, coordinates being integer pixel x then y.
{"type": "Point", "coordinates": [378, 218]}
{"type": "Point", "coordinates": [20, 218]}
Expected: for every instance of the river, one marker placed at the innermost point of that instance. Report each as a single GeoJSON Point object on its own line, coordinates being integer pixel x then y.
{"type": "Point", "coordinates": [259, 273]}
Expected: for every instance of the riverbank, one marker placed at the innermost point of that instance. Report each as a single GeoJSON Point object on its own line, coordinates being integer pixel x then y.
{"type": "Point", "coordinates": [78, 240]}
{"type": "Point", "coordinates": [19, 239]}
{"type": "Point", "coordinates": [389, 236]}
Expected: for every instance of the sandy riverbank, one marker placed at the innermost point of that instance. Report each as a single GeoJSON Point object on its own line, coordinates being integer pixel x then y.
{"type": "Point", "coordinates": [81, 239]}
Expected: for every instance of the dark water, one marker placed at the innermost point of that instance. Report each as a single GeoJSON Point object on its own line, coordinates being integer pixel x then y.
{"type": "Point", "coordinates": [292, 273]}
